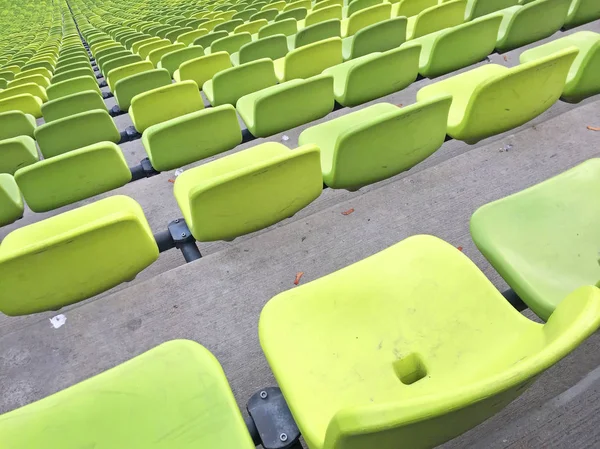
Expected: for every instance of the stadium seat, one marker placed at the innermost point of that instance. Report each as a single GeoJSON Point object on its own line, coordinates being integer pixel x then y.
{"type": "Point", "coordinates": [11, 206]}
{"type": "Point", "coordinates": [286, 27]}
{"type": "Point", "coordinates": [191, 36]}
{"type": "Point", "coordinates": [296, 14]}
{"type": "Point", "coordinates": [382, 36]}
{"type": "Point", "coordinates": [268, 15]}
{"type": "Point", "coordinates": [306, 4]}
{"type": "Point", "coordinates": [145, 50]}
{"type": "Point", "coordinates": [377, 142]}
{"type": "Point", "coordinates": [40, 80]}
{"type": "Point", "coordinates": [248, 190]}
{"type": "Point", "coordinates": [323, 14]}
{"type": "Point", "coordinates": [582, 11]}
{"type": "Point", "coordinates": [172, 60]}
{"type": "Point", "coordinates": [479, 8]}
{"type": "Point", "coordinates": [72, 86]}
{"type": "Point", "coordinates": [211, 24]}
{"type": "Point", "coordinates": [202, 69]}
{"type": "Point", "coordinates": [206, 40]}
{"type": "Point", "coordinates": [583, 80]}
{"type": "Point", "coordinates": [252, 27]}
{"type": "Point", "coordinates": [408, 8]}
{"type": "Point", "coordinates": [26, 103]}
{"type": "Point", "coordinates": [286, 105]}
{"type": "Point", "coordinates": [127, 88]}
{"type": "Point", "coordinates": [121, 61]}
{"type": "Point", "coordinates": [365, 17]}
{"type": "Point", "coordinates": [16, 123]}
{"type": "Point", "coordinates": [521, 24]}
{"type": "Point", "coordinates": [164, 103]}
{"type": "Point", "coordinates": [29, 88]}
{"type": "Point", "coordinates": [67, 67]}
{"type": "Point", "coordinates": [55, 262]}
{"type": "Point", "coordinates": [156, 55]}
{"type": "Point", "coordinates": [459, 46]}
{"type": "Point", "coordinates": [229, 85]}
{"type": "Point", "coordinates": [436, 18]}
{"type": "Point", "coordinates": [272, 47]}
{"type": "Point", "coordinates": [492, 99]}
{"type": "Point", "coordinates": [309, 60]}
{"type": "Point", "coordinates": [136, 45]}
{"type": "Point", "coordinates": [64, 76]}
{"type": "Point", "coordinates": [375, 75]}
{"type": "Point", "coordinates": [72, 104]}
{"type": "Point", "coordinates": [357, 5]}
{"type": "Point", "coordinates": [315, 33]}
{"type": "Point", "coordinates": [17, 152]}
{"type": "Point", "coordinates": [73, 176]}
{"type": "Point", "coordinates": [182, 140]}
{"type": "Point", "coordinates": [367, 356]}
{"type": "Point", "coordinates": [230, 44]}
{"type": "Point", "coordinates": [542, 240]}
{"type": "Point", "coordinates": [76, 131]}
{"type": "Point", "coordinates": [124, 71]}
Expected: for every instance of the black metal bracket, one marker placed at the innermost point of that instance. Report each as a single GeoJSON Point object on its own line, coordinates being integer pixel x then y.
{"type": "Point", "coordinates": [106, 95]}
{"type": "Point", "coordinates": [129, 135]}
{"type": "Point", "coordinates": [270, 421]}
{"type": "Point", "coordinates": [115, 111]}
{"type": "Point", "coordinates": [247, 136]}
{"type": "Point", "coordinates": [99, 75]}
{"type": "Point", "coordinates": [514, 300]}
{"type": "Point", "coordinates": [143, 170]}
{"type": "Point", "coordinates": [178, 236]}
{"type": "Point", "coordinates": [95, 68]}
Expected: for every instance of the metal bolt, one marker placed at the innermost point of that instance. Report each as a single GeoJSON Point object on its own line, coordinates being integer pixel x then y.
{"type": "Point", "coordinates": [283, 437]}
{"type": "Point", "coordinates": [183, 234]}
{"type": "Point", "coordinates": [263, 394]}
{"type": "Point", "coordinates": [177, 220]}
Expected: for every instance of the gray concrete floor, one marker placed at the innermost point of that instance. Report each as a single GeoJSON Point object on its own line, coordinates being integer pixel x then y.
{"type": "Point", "coordinates": [217, 300]}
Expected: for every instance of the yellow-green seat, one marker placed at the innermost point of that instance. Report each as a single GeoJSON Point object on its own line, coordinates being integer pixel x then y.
{"type": "Point", "coordinates": [267, 14]}
{"type": "Point", "coordinates": [191, 36]}
{"type": "Point", "coordinates": [436, 18]}
{"type": "Point", "coordinates": [119, 62]}
{"type": "Point", "coordinates": [29, 88]}
{"type": "Point", "coordinates": [145, 49]}
{"type": "Point", "coordinates": [173, 59]}
{"type": "Point", "coordinates": [366, 17]}
{"type": "Point", "coordinates": [381, 36]}
{"type": "Point", "coordinates": [492, 99]}
{"type": "Point", "coordinates": [309, 60]}
{"type": "Point", "coordinates": [16, 123]}
{"type": "Point", "coordinates": [296, 14]}
{"type": "Point", "coordinates": [315, 33]}
{"type": "Point", "coordinates": [11, 205]}
{"type": "Point", "coordinates": [410, 347]}
{"type": "Point", "coordinates": [408, 8]}
{"type": "Point", "coordinates": [175, 395]}
{"type": "Point", "coordinates": [374, 75]}
{"type": "Point", "coordinates": [251, 27]}
{"type": "Point", "coordinates": [230, 44]}
{"type": "Point", "coordinates": [323, 14]}
{"type": "Point", "coordinates": [75, 73]}
{"type": "Point", "coordinates": [479, 8]}
{"type": "Point", "coordinates": [248, 190]}
{"type": "Point", "coordinates": [164, 103]}
{"type": "Point", "coordinates": [76, 131]}
{"type": "Point", "coordinates": [124, 71]}
{"type": "Point", "coordinates": [38, 79]}
{"type": "Point", "coordinates": [286, 27]}
{"type": "Point", "coordinates": [73, 176]}
{"type": "Point", "coordinates": [356, 5]}
{"type": "Point", "coordinates": [206, 40]}
{"type": "Point", "coordinates": [26, 103]}
{"type": "Point", "coordinates": [458, 46]}
{"type": "Point", "coordinates": [182, 140]}
{"type": "Point", "coordinates": [17, 152]}
{"type": "Point", "coordinates": [72, 86]}
{"type": "Point", "coordinates": [583, 80]}
{"type": "Point", "coordinates": [128, 87]}
{"type": "Point", "coordinates": [543, 240]}
{"type": "Point", "coordinates": [202, 69]}
{"type": "Point", "coordinates": [136, 45]}
{"type": "Point", "coordinates": [68, 67]}
{"type": "Point", "coordinates": [522, 25]}
{"type": "Point", "coordinates": [272, 47]}
{"type": "Point", "coordinates": [286, 105]}
{"type": "Point", "coordinates": [229, 25]}
{"type": "Point", "coordinates": [582, 11]}
{"type": "Point", "coordinates": [73, 256]}
{"type": "Point", "coordinates": [72, 104]}
{"type": "Point", "coordinates": [155, 55]}
{"type": "Point", "coordinates": [377, 142]}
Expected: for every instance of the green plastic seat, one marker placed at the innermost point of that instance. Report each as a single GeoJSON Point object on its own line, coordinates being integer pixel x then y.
{"type": "Point", "coordinates": [7, 75]}
{"type": "Point", "coordinates": [11, 204]}
{"type": "Point", "coordinates": [145, 49]}
{"type": "Point", "coordinates": [172, 60]}
{"type": "Point", "coordinates": [377, 142]}
{"type": "Point", "coordinates": [582, 11]}
{"type": "Point", "coordinates": [34, 65]}
{"type": "Point", "coordinates": [268, 15]}
{"type": "Point", "coordinates": [130, 86]}
{"type": "Point", "coordinates": [583, 80]}
{"type": "Point", "coordinates": [445, 15]}
{"type": "Point", "coordinates": [182, 140]}
{"type": "Point", "coordinates": [521, 25]}
{"type": "Point", "coordinates": [229, 85]}
{"type": "Point", "coordinates": [272, 47]}
{"type": "Point", "coordinates": [381, 36]}
{"type": "Point", "coordinates": [122, 61]}
{"type": "Point", "coordinates": [155, 55]}
{"type": "Point", "coordinates": [229, 25]}
{"type": "Point", "coordinates": [164, 103]}
{"type": "Point", "coordinates": [408, 8]}
{"type": "Point", "coordinates": [323, 15]}
{"type": "Point", "coordinates": [108, 51]}
{"type": "Point", "coordinates": [251, 27]}
{"type": "Point", "coordinates": [72, 86]}
{"type": "Point", "coordinates": [76, 131]}
{"type": "Point", "coordinates": [25, 103]}
{"type": "Point", "coordinates": [245, 14]}
{"type": "Point", "coordinates": [296, 14]}
{"type": "Point", "coordinates": [87, 71]}
{"type": "Point", "coordinates": [230, 44]}
{"type": "Point", "coordinates": [479, 8]}
{"type": "Point", "coordinates": [73, 176]}
{"type": "Point", "coordinates": [357, 5]}
{"type": "Point", "coordinates": [286, 27]}
{"type": "Point", "coordinates": [202, 69]}
{"type": "Point", "coordinates": [16, 123]}
{"type": "Point", "coordinates": [306, 4]}
{"type": "Point", "coordinates": [36, 78]}
{"type": "Point", "coordinates": [365, 17]}
{"type": "Point", "coordinates": [326, 4]}
{"type": "Point", "coordinates": [542, 240]}
{"type": "Point", "coordinates": [410, 347]}
{"type": "Point", "coordinates": [68, 67]}
{"type": "Point", "coordinates": [460, 46]}
{"type": "Point", "coordinates": [309, 60]}
{"type": "Point", "coordinates": [124, 71]}
{"type": "Point", "coordinates": [286, 105]}
{"type": "Point", "coordinates": [30, 88]}
{"type": "Point", "coordinates": [191, 36]}
{"type": "Point", "coordinates": [56, 262]}
{"type": "Point", "coordinates": [17, 152]}
{"type": "Point", "coordinates": [492, 99]}
{"type": "Point", "coordinates": [248, 190]}
{"type": "Point", "coordinates": [211, 24]}
{"type": "Point", "coordinates": [375, 75]}
{"type": "Point", "coordinates": [315, 33]}
{"type": "Point", "coordinates": [112, 57]}
{"type": "Point", "coordinates": [161, 390]}
{"type": "Point", "coordinates": [136, 45]}
{"type": "Point", "coordinates": [206, 40]}
{"type": "Point", "coordinates": [72, 104]}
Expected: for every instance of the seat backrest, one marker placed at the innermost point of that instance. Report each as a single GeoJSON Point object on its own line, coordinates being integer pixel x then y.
{"type": "Point", "coordinates": [145, 49]}
{"type": "Point", "coordinates": [318, 32]}
{"type": "Point", "coordinates": [357, 5]}
{"type": "Point", "coordinates": [108, 58]}
{"type": "Point", "coordinates": [130, 86]}
{"type": "Point", "coordinates": [268, 15]}
{"type": "Point", "coordinates": [73, 176]}
{"type": "Point", "coordinates": [113, 64]}
{"type": "Point", "coordinates": [136, 45]}
{"type": "Point", "coordinates": [231, 43]}
{"type": "Point", "coordinates": [87, 100]}
{"type": "Point", "coordinates": [478, 8]}
{"type": "Point", "coordinates": [323, 14]}
{"type": "Point", "coordinates": [582, 11]}
{"type": "Point", "coordinates": [306, 4]}
{"type": "Point", "coordinates": [181, 141]}
{"type": "Point", "coordinates": [155, 55]}
{"type": "Point", "coordinates": [87, 71]}
{"type": "Point", "coordinates": [74, 85]}
{"type": "Point", "coordinates": [76, 131]}
{"type": "Point", "coordinates": [17, 152]}
{"type": "Point", "coordinates": [297, 14]}
{"type": "Point", "coordinates": [206, 40]}
{"type": "Point", "coordinates": [26, 103]}
{"type": "Point", "coordinates": [380, 36]}
{"type": "Point", "coordinates": [11, 202]}
{"type": "Point", "coordinates": [228, 26]}
{"type": "Point", "coordinates": [437, 18]}
{"type": "Point", "coordinates": [29, 88]}
{"type": "Point", "coordinates": [368, 16]}
{"type": "Point", "coordinates": [16, 123]}
{"type": "Point", "coordinates": [211, 24]}
{"type": "Point", "coordinates": [312, 59]}
{"type": "Point", "coordinates": [66, 68]}
{"type": "Point", "coordinates": [124, 71]}
{"type": "Point", "coordinates": [172, 60]}
{"type": "Point", "coordinates": [231, 84]}
{"type": "Point", "coordinates": [164, 103]}
{"type": "Point", "coordinates": [273, 47]}
{"type": "Point", "coordinates": [39, 71]}
{"type": "Point", "coordinates": [203, 68]}
{"type": "Point", "coordinates": [286, 27]}
{"type": "Point", "coordinates": [410, 8]}
{"type": "Point", "coordinates": [191, 36]}
{"type": "Point", "coordinates": [252, 27]}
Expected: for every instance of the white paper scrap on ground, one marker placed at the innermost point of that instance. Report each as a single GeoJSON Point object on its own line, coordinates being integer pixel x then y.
{"type": "Point", "coordinates": [58, 320]}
